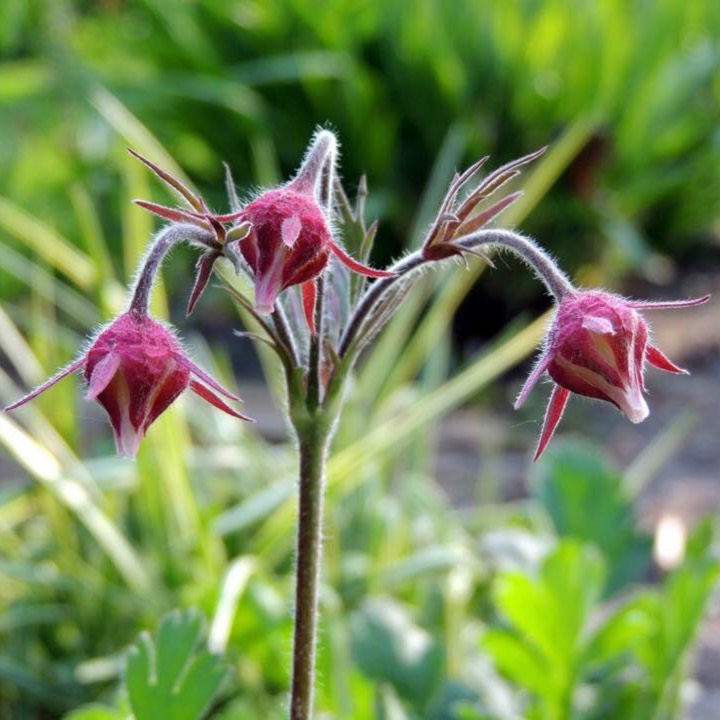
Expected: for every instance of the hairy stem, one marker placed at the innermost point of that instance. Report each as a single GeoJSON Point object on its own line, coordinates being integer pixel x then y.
{"type": "Point", "coordinates": [526, 249]}
{"type": "Point", "coordinates": [283, 330]}
{"type": "Point", "coordinates": [150, 265]}
{"type": "Point", "coordinates": [313, 439]}
{"type": "Point", "coordinates": [373, 295]}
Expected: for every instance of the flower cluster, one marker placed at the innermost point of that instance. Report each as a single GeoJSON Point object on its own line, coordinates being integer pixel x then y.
{"type": "Point", "coordinates": [136, 367]}
{"type": "Point", "coordinates": [597, 346]}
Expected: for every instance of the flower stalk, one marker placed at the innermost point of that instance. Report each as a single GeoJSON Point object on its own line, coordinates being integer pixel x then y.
{"type": "Point", "coordinates": [313, 440]}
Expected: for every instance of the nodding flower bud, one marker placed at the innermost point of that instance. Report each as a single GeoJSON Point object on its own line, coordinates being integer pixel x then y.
{"type": "Point", "coordinates": [289, 243]}
{"type": "Point", "coordinates": [597, 347]}
{"type": "Point", "coordinates": [135, 369]}
{"type": "Point", "coordinates": [284, 234]}
{"type": "Point", "coordinates": [290, 240]}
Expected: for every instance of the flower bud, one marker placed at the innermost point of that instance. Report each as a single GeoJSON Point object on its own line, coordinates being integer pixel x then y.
{"type": "Point", "coordinates": [289, 243]}
{"type": "Point", "coordinates": [135, 369]}
{"type": "Point", "coordinates": [597, 347]}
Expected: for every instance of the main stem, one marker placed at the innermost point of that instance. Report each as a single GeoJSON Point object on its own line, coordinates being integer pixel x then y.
{"type": "Point", "coordinates": [313, 440]}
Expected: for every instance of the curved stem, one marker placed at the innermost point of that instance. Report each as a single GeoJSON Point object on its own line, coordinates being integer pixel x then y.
{"type": "Point", "coordinates": [528, 250]}
{"type": "Point", "coordinates": [313, 439]}
{"type": "Point", "coordinates": [163, 243]}
{"type": "Point", "coordinates": [374, 293]}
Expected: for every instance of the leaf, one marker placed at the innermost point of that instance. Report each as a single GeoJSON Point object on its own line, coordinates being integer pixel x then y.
{"type": "Point", "coordinates": [517, 661]}
{"type": "Point", "coordinates": [168, 676]}
{"type": "Point", "coordinates": [389, 647]}
{"type": "Point", "coordinates": [544, 648]}
{"type": "Point", "coordinates": [95, 712]}
{"type": "Point", "coordinates": [586, 500]}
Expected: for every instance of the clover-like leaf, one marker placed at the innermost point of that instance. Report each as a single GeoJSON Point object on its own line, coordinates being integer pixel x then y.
{"type": "Point", "coordinates": [170, 675]}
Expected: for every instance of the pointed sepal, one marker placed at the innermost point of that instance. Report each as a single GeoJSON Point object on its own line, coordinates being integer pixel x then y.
{"type": "Point", "coordinates": [67, 370]}
{"type": "Point", "coordinates": [309, 297]}
{"type": "Point", "coordinates": [356, 266]}
{"type": "Point", "coordinates": [209, 396]}
{"type": "Point", "coordinates": [657, 358]}
{"type": "Point", "coordinates": [553, 415]}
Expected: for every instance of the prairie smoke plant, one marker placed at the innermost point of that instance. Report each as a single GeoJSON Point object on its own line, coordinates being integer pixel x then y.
{"type": "Point", "coordinates": [282, 242]}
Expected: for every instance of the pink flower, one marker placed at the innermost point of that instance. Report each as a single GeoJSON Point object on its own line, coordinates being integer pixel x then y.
{"type": "Point", "coordinates": [597, 346]}
{"type": "Point", "coordinates": [135, 369]}
{"type": "Point", "coordinates": [290, 243]}
{"type": "Point", "coordinates": [283, 234]}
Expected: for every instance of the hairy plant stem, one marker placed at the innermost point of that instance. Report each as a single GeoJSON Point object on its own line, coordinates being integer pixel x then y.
{"type": "Point", "coordinates": [313, 440]}
{"type": "Point", "coordinates": [547, 270]}
{"type": "Point", "coordinates": [161, 246]}
{"type": "Point", "coordinates": [313, 424]}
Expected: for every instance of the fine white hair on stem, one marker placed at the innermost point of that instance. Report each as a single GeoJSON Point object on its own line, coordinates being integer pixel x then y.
{"type": "Point", "coordinates": [534, 256]}
{"type": "Point", "coordinates": [161, 245]}
{"type": "Point", "coordinates": [317, 171]}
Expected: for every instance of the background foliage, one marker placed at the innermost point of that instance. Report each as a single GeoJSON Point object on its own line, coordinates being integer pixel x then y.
{"type": "Point", "coordinates": [532, 609]}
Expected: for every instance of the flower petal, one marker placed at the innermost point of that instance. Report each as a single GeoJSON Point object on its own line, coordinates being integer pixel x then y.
{"type": "Point", "coordinates": [127, 436]}
{"type": "Point", "coordinates": [206, 394]}
{"type": "Point", "coordinates": [102, 375]}
{"type": "Point", "coordinates": [553, 414]}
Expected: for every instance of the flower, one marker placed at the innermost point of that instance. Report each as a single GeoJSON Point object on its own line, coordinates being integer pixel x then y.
{"type": "Point", "coordinates": [290, 243]}
{"type": "Point", "coordinates": [135, 369]}
{"type": "Point", "coordinates": [283, 235]}
{"type": "Point", "coordinates": [597, 346]}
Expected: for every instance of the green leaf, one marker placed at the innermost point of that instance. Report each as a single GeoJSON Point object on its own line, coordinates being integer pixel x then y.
{"type": "Point", "coordinates": [586, 500]}
{"type": "Point", "coordinates": [388, 646]}
{"type": "Point", "coordinates": [95, 712]}
{"type": "Point", "coordinates": [517, 660]}
{"type": "Point", "coordinates": [168, 676]}
{"type": "Point", "coordinates": [544, 647]}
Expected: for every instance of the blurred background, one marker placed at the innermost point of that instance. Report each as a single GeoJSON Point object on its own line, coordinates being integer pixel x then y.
{"type": "Point", "coordinates": [458, 577]}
